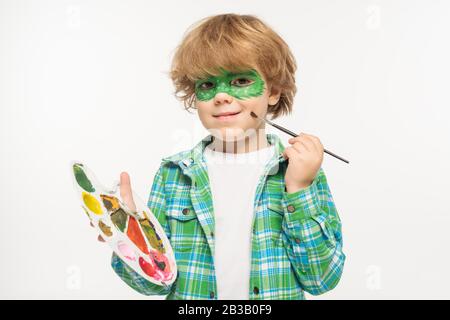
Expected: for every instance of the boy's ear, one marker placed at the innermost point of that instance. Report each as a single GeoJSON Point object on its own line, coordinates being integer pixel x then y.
{"type": "Point", "coordinates": [274, 95]}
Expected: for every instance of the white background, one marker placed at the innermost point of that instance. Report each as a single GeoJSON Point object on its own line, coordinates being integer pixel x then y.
{"type": "Point", "coordinates": [87, 80]}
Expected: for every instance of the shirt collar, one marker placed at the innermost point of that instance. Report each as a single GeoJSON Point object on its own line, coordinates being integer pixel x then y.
{"type": "Point", "coordinates": [195, 155]}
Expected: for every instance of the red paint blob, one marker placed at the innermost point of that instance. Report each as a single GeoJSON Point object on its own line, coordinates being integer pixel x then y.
{"type": "Point", "coordinates": [162, 265]}
{"type": "Point", "coordinates": [147, 267]}
{"type": "Point", "coordinates": [135, 235]}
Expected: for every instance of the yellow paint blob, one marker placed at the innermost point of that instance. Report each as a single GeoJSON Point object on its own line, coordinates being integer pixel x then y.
{"type": "Point", "coordinates": [92, 203]}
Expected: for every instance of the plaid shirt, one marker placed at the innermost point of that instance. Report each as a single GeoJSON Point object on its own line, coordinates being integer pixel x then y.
{"type": "Point", "coordinates": [296, 237]}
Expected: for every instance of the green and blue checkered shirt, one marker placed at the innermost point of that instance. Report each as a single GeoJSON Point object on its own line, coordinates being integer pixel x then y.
{"type": "Point", "coordinates": [296, 237]}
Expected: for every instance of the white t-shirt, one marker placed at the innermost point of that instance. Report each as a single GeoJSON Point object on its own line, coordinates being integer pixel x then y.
{"type": "Point", "coordinates": [233, 181]}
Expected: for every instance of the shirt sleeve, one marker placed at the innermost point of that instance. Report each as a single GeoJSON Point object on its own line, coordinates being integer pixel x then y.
{"type": "Point", "coordinates": [312, 236]}
{"type": "Point", "coordinates": [157, 205]}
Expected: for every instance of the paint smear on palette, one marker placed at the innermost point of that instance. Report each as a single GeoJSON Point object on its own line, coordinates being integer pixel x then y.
{"type": "Point", "coordinates": [149, 269]}
{"type": "Point", "coordinates": [135, 235]}
{"type": "Point", "coordinates": [119, 218]}
{"type": "Point", "coordinates": [87, 213]}
{"type": "Point", "coordinates": [81, 178]}
{"type": "Point", "coordinates": [92, 203]}
{"type": "Point", "coordinates": [153, 238]}
{"type": "Point", "coordinates": [105, 228]}
{"type": "Point", "coordinates": [111, 203]}
{"type": "Point", "coordinates": [161, 262]}
{"type": "Point", "coordinates": [126, 251]}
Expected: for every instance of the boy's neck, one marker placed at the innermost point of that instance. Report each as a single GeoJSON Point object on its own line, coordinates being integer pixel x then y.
{"type": "Point", "coordinates": [250, 143]}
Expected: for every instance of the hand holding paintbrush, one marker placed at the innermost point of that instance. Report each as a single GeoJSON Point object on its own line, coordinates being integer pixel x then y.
{"type": "Point", "coordinates": [295, 135]}
{"type": "Point", "coordinates": [306, 155]}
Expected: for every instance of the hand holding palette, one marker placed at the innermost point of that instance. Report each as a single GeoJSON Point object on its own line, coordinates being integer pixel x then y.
{"type": "Point", "coordinates": [136, 237]}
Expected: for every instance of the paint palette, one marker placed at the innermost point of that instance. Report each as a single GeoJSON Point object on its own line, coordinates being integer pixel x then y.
{"type": "Point", "coordinates": [136, 237]}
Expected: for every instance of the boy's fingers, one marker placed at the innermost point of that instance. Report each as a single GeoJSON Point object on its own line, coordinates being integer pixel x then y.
{"type": "Point", "coordinates": [290, 152]}
{"type": "Point", "coordinates": [313, 142]}
{"type": "Point", "coordinates": [300, 135]}
{"type": "Point", "coordinates": [301, 147]}
{"type": "Point", "coordinates": [318, 144]}
{"type": "Point", "coordinates": [125, 191]}
{"type": "Point", "coordinates": [304, 139]}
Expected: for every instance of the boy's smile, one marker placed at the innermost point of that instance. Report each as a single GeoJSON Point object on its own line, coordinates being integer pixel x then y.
{"type": "Point", "coordinates": [224, 103]}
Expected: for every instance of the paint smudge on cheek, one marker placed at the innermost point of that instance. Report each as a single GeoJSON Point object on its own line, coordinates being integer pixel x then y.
{"type": "Point", "coordinates": [134, 234]}
{"type": "Point", "coordinates": [126, 251]}
{"type": "Point", "coordinates": [105, 228]}
{"type": "Point", "coordinates": [81, 178]}
{"type": "Point", "coordinates": [92, 203]}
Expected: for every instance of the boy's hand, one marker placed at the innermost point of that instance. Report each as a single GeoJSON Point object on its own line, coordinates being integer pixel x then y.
{"type": "Point", "coordinates": [305, 158]}
{"type": "Point", "coordinates": [126, 194]}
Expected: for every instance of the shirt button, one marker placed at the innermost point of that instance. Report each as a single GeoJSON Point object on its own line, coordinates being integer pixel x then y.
{"type": "Point", "coordinates": [255, 290]}
{"type": "Point", "coordinates": [291, 208]}
{"type": "Point", "coordinates": [211, 294]}
{"type": "Point", "coordinates": [212, 234]}
{"type": "Point", "coordinates": [185, 211]}
{"type": "Point", "coordinates": [297, 240]}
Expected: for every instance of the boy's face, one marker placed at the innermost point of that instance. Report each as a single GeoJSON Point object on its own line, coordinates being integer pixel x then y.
{"type": "Point", "coordinates": [238, 93]}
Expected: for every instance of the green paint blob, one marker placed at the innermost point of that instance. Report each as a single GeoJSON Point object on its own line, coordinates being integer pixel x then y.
{"type": "Point", "coordinates": [81, 178]}
{"type": "Point", "coordinates": [153, 238]}
{"type": "Point", "coordinates": [232, 84]}
{"type": "Point", "coordinates": [119, 218]}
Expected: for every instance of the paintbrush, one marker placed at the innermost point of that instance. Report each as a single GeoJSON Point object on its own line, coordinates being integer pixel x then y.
{"type": "Point", "coordinates": [294, 135]}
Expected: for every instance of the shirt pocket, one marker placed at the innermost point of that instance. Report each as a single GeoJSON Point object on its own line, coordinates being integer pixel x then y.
{"type": "Point", "coordinates": [275, 217]}
{"type": "Point", "coordinates": [186, 231]}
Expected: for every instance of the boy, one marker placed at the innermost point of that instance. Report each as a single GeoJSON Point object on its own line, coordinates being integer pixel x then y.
{"type": "Point", "coordinates": [240, 230]}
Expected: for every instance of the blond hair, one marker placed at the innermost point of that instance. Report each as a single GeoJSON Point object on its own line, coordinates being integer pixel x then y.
{"type": "Point", "coordinates": [233, 42]}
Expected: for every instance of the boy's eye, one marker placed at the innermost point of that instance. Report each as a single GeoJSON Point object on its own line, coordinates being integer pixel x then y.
{"type": "Point", "coordinates": [206, 85]}
{"type": "Point", "coordinates": [242, 82]}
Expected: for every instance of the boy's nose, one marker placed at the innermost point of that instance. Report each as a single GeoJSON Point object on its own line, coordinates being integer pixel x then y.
{"type": "Point", "coordinates": [221, 98]}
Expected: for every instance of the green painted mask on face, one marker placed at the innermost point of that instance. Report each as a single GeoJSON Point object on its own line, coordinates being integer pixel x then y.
{"type": "Point", "coordinates": [243, 85]}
